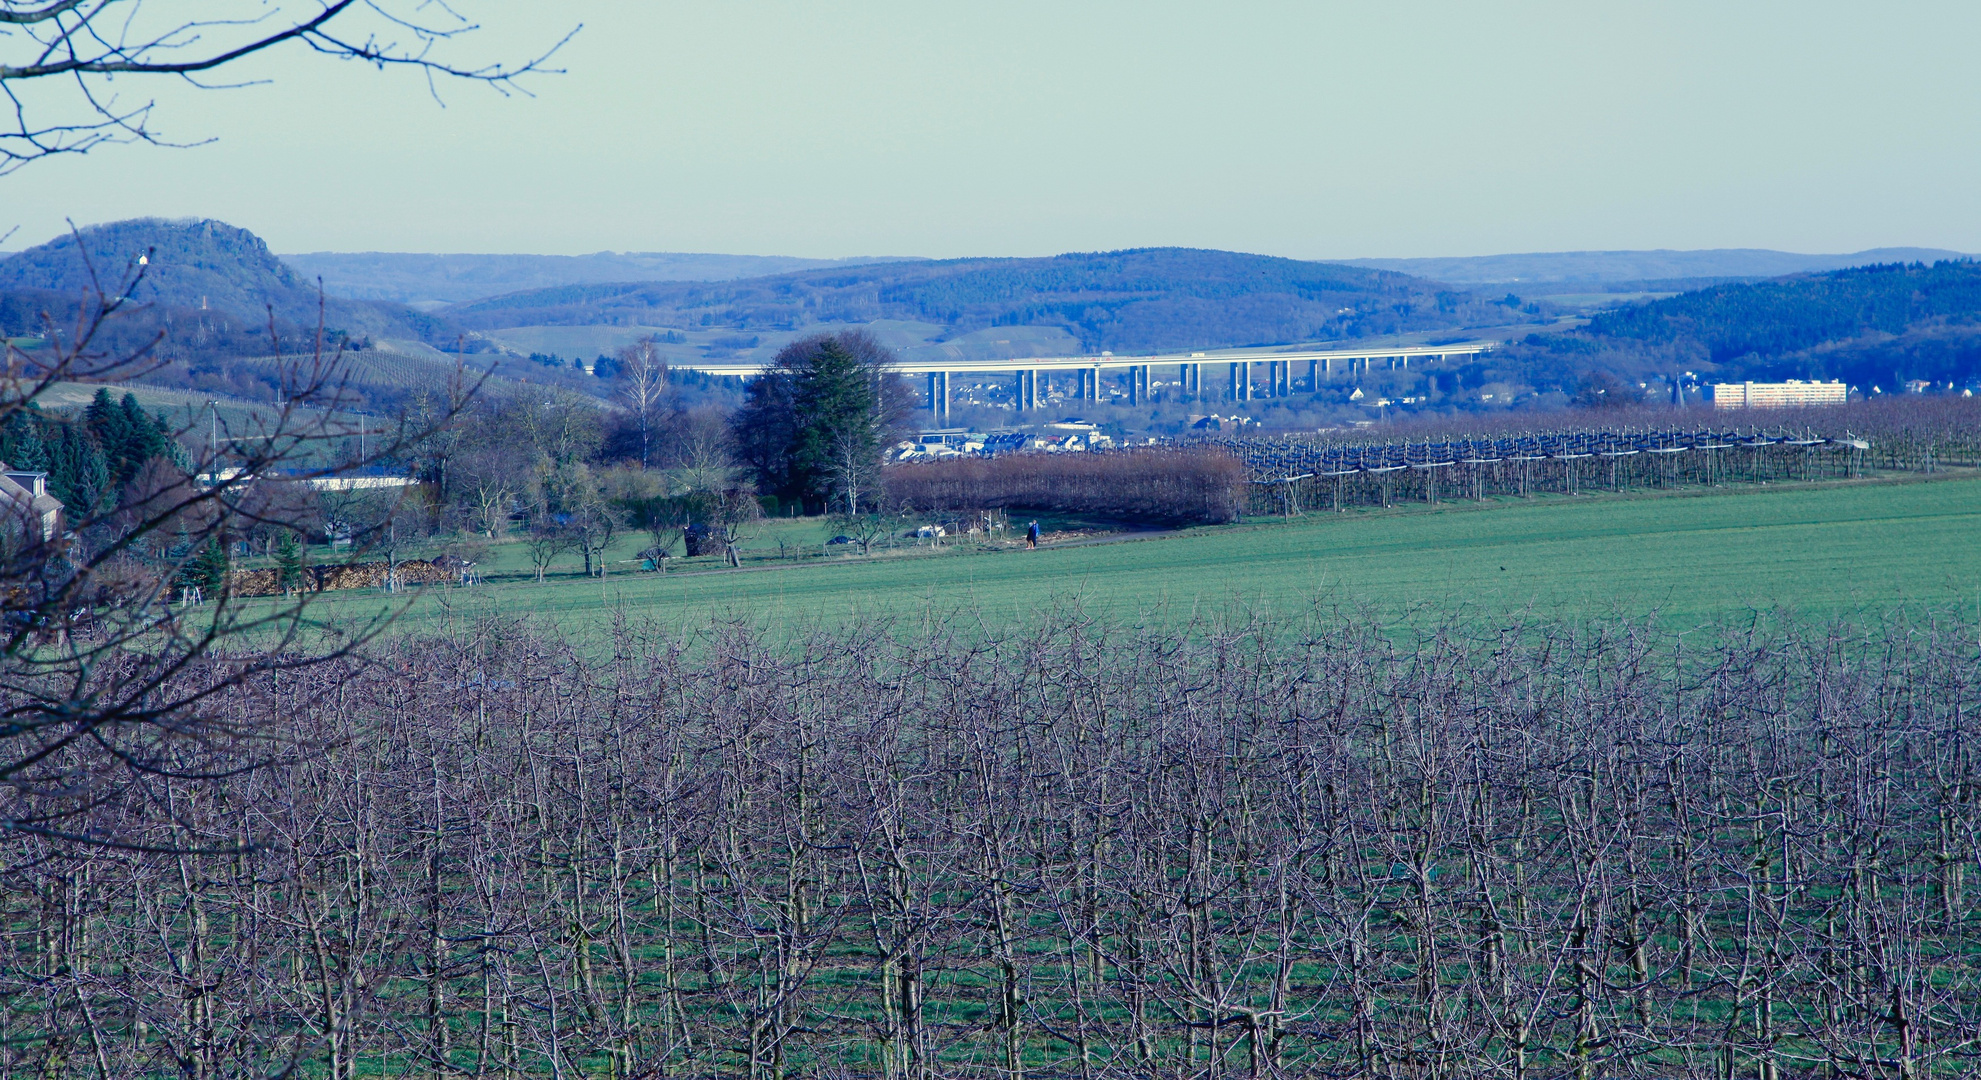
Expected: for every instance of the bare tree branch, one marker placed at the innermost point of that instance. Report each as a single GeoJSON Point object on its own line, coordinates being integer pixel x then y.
{"type": "Point", "coordinates": [77, 50]}
{"type": "Point", "coordinates": [111, 661]}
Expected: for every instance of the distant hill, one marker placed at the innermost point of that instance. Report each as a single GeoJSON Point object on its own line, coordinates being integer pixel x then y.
{"type": "Point", "coordinates": [1779, 318]}
{"type": "Point", "coordinates": [203, 311]}
{"type": "Point", "coordinates": [1604, 267]}
{"type": "Point", "coordinates": [1143, 300]}
{"type": "Point", "coordinates": [1874, 325]}
{"type": "Point", "coordinates": [198, 266]}
{"type": "Point", "coordinates": [411, 278]}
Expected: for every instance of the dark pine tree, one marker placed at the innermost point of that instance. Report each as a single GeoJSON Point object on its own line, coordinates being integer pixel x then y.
{"type": "Point", "coordinates": [109, 424]}
{"type": "Point", "coordinates": [23, 440]}
{"type": "Point", "coordinates": [77, 472]}
{"type": "Point", "coordinates": [145, 438]}
{"type": "Point", "coordinates": [838, 404]}
{"type": "Point", "coordinates": [127, 435]}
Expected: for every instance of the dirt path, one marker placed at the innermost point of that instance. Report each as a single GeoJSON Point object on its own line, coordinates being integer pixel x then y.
{"type": "Point", "coordinates": [1112, 538]}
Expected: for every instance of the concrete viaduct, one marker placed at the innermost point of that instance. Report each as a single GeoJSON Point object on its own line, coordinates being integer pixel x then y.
{"type": "Point", "coordinates": [1248, 374]}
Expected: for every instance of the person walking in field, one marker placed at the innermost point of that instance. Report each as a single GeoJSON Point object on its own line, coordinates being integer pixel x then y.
{"type": "Point", "coordinates": [1032, 535]}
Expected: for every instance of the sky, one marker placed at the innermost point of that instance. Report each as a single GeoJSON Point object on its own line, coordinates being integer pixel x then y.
{"type": "Point", "coordinates": [1304, 129]}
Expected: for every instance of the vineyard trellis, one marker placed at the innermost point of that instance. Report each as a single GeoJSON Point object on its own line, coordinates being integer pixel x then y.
{"type": "Point", "coordinates": [371, 367]}
{"type": "Point", "coordinates": [1290, 474]}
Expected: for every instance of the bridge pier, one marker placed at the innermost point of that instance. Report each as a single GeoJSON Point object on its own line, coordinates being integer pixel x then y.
{"type": "Point", "coordinates": [1028, 389]}
{"type": "Point", "coordinates": [1138, 384]}
{"type": "Point", "coordinates": [1241, 380]}
{"type": "Point", "coordinates": [1192, 378]}
{"type": "Point", "coordinates": [939, 396]}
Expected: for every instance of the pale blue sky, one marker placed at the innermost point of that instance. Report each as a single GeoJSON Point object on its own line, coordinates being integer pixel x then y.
{"type": "Point", "coordinates": [1013, 128]}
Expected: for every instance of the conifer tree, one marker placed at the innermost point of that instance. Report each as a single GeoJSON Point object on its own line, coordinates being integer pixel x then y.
{"type": "Point", "coordinates": [144, 439]}
{"type": "Point", "coordinates": [815, 426]}
{"type": "Point", "coordinates": [22, 444]}
{"type": "Point", "coordinates": [106, 422]}
{"type": "Point", "coordinates": [288, 561]}
{"type": "Point", "coordinates": [127, 435]}
{"type": "Point", "coordinates": [209, 568]}
{"type": "Point", "coordinates": [838, 401]}
{"type": "Point", "coordinates": [77, 473]}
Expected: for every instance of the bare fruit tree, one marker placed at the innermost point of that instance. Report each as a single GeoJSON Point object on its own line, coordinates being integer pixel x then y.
{"type": "Point", "coordinates": [1215, 850]}
{"type": "Point", "coordinates": [729, 523]}
{"type": "Point", "coordinates": [865, 527]}
{"type": "Point", "coordinates": [63, 63]}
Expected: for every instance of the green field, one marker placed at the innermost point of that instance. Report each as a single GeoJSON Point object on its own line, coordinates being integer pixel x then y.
{"type": "Point", "coordinates": [1862, 548]}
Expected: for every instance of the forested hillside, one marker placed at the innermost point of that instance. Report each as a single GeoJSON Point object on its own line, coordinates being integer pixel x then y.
{"type": "Point", "coordinates": [206, 283]}
{"type": "Point", "coordinates": [1775, 318]}
{"type": "Point", "coordinates": [1144, 300]}
{"type": "Point", "coordinates": [1869, 326]}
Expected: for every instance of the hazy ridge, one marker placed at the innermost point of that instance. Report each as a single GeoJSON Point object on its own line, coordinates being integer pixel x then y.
{"type": "Point", "coordinates": [415, 278]}
{"type": "Point", "coordinates": [1612, 267]}
{"type": "Point", "coordinates": [1139, 300]}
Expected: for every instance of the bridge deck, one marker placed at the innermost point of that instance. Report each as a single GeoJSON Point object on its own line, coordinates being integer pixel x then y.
{"type": "Point", "coordinates": [1070, 363]}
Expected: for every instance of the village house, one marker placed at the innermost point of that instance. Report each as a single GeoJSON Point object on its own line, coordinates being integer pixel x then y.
{"type": "Point", "coordinates": [29, 508]}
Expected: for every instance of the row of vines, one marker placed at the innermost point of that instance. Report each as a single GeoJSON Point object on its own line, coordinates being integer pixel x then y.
{"type": "Point", "coordinates": [1069, 850]}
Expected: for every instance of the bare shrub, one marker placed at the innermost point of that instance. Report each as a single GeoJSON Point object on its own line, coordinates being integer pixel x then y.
{"type": "Point", "coordinates": [1155, 484]}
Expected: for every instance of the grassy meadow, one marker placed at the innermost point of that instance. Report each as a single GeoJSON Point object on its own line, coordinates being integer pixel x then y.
{"type": "Point", "coordinates": [1818, 550]}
